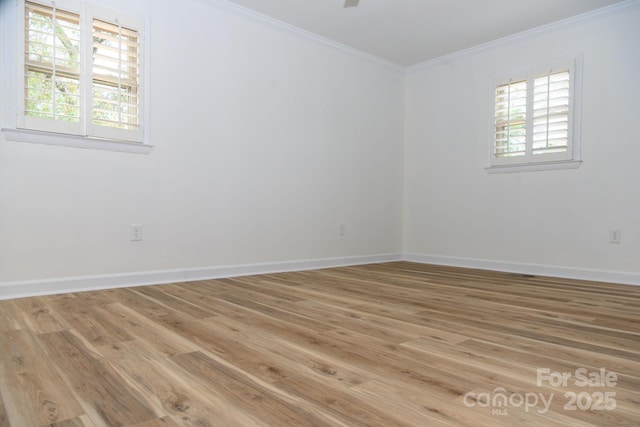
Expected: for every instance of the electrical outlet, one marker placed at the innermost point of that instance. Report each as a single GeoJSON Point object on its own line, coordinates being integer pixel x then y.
{"type": "Point", "coordinates": [136, 232]}
{"type": "Point", "coordinates": [342, 230]}
{"type": "Point", "coordinates": [615, 235]}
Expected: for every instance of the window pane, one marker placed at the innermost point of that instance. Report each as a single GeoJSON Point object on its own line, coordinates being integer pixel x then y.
{"type": "Point", "coordinates": [52, 63]}
{"type": "Point", "coordinates": [510, 119]}
{"type": "Point", "coordinates": [114, 107]}
{"type": "Point", "coordinates": [115, 76]}
{"type": "Point", "coordinates": [551, 113]}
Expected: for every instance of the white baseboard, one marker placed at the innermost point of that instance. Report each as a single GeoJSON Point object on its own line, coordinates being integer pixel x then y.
{"type": "Point", "coordinates": [21, 289]}
{"type": "Point", "coordinates": [622, 277]}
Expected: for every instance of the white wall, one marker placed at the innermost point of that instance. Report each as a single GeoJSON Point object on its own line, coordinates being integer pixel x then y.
{"type": "Point", "coordinates": [457, 213]}
{"type": "Point", "coordinates": [265, 142]}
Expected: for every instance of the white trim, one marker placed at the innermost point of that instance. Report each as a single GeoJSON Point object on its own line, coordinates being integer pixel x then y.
{"type": "Point", "coordinates": [607, 10]}
{"type": "Point", "coordinates": [534, 167]}
{"type": "Point", "coordinates": [29, 288]}
{"type": "Point", "coordinates": [21, 289]}
{"type": "Point", "coordinates": [622, 277]}
{"type": "Point", "coordinates": [50, 138]}
{"type": "Point", "coordinates": [276, 23]}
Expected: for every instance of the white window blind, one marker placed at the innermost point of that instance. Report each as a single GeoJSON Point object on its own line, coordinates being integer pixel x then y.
{"type": "Point", "coordinates": [115, 76]}
{"type": "Point", "coordinates": [534, 120]}
{"type": "Point", "coordinates": [551, 113]}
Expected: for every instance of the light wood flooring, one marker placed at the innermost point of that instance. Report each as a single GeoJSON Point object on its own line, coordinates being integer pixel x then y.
{"type": "Point", "coordinates": [376, 345]}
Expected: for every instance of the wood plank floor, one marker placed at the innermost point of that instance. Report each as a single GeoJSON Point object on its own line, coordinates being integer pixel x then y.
{"type": "Point", "coordinates": [377, 345]}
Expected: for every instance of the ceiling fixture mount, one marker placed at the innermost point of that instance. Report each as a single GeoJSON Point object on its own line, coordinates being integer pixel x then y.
{"type": "Point", "coordinates": [351, 3]}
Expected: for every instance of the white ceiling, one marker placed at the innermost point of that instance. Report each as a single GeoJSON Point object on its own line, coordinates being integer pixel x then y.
{"type": "Point", "coordinates": [409, 32]}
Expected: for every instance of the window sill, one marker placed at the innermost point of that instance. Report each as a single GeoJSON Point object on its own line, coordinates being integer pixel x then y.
{"type": "Point", "coordinates": [50, 138]}
{"type": "Point", "coordinates": [533, 167]}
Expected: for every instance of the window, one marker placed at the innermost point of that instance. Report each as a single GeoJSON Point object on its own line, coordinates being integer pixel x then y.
{"type": "Point", "coordinates": [535, 124]}
{"type": "Point", "coordinates": [80, 76]}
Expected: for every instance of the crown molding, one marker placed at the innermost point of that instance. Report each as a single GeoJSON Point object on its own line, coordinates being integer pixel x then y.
{"type": "Point", "coordinates": [260, 17]}
{"type": "Point", "coordinates": [281, 25]}
{"type": "Point", "coordinates": [584, 17]}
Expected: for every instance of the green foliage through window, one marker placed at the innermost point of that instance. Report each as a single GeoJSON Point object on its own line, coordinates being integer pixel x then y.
{"type": "Point", "coordinates": [52, 63]}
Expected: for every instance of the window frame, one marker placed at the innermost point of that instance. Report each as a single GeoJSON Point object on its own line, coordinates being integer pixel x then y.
{"type": "Point", "coordinates": [569, 159]}
{"type": "Point", "coordinates": [21, 127]}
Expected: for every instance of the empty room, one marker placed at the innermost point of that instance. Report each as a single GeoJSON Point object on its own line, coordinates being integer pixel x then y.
{"type": "Point", "coordinates": [319, 213]}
